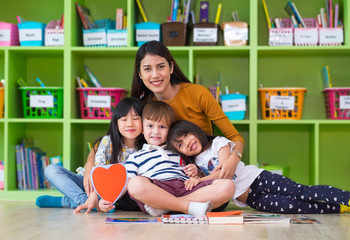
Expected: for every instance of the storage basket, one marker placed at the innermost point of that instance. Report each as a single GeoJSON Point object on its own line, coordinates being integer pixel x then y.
{"type": "Point", "coordinates": [99, 103]}
{"type": "Point", "coordinates": [174, 33]}
{"type": "Point", "coordinates": [234, 106]}
{"type": "Point", "coordinates": [282, 103]}
{"type": "Point", "coordinates": [205, 34]}
{"type": "Point", "coordinates": [307, 36]}
{"type": "Point", "coordinates": [116, 38]}
{"type": "Point", "coordinates": [147, 31]}
{"type": "Point", "coordinates": [31, 33]}
{"type": "Point", "coordinates": [337, 103]}
{"type": "Point", "coordinates": [96, 37]}
{"type": "Point", "coordinates": [8, 34]}
{"type": "Point", "coordinates": [42, 102]}
{"type": "Point", "coordinates": [54, 36]}
{"type": "Point", "coordinates": [281, 36]}
{"type": "Point", "coordinates": [1, 102]}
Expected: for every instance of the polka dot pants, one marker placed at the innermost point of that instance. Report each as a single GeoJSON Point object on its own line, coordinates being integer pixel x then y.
{"type": "Point", "coordinates": [274, 193]}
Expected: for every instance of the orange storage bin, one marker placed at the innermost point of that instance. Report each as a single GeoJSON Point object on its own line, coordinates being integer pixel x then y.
{"type": "Point", "coordinates": [282, 103]}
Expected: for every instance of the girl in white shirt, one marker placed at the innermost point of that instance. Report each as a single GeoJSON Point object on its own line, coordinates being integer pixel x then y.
{"type": "Point", "coordinates": [258, 188]}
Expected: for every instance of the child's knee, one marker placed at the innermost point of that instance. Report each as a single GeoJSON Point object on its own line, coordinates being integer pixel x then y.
{"type": "Point", "coordinates": [136, 186]}
{"type": "Point", "coordinates": [52, 170]}
{"type": "Point", "coordinates": [226, 186]}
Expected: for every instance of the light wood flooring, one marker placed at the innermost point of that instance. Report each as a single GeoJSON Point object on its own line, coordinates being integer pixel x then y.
{"type": "Point", "coordinates": [23, 220]}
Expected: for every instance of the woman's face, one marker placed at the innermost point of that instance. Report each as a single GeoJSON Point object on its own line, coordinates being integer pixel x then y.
{"type": "Point", "coordinates": [155, 73]}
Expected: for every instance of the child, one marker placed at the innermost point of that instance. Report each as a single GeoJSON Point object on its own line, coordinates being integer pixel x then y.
{"type": "Point", "coordinates": [123, 138]}
{"type": "Point", "coordinates": [157, 180]}
{"type": "Point", "coordinates": [260, 189]}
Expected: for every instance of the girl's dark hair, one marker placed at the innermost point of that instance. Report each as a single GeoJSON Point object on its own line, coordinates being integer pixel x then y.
{"type": "Point", "coordinates": [138, 89]}
{"type": "Point", "coordinates": [121, 110]}
{"type": "Point", "coordinates": [182, 127]}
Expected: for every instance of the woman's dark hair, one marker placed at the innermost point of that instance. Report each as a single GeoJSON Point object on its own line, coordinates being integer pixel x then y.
{"type": "Point", "coordinates": [182, 127]}
{"type": "Point", "coordinates": [121, 110]}
{"type": "Point", "coordinates": [138, 89]}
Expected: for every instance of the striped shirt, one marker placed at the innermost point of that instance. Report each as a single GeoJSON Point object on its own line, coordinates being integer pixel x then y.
{"type": "Point", "coordinates": [156, 163]}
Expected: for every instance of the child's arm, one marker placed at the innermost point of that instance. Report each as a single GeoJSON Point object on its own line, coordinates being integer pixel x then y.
{"type": "Point", "coordinates": [228, 165]}
{"type": "Point", "coordinates": [88, 167]}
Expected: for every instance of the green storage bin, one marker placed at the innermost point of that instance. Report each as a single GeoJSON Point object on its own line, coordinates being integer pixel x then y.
{"type": "Point", "coordinates": [42, 102]}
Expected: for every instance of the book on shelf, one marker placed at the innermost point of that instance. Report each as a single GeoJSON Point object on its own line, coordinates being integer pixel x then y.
{"type": "Point", "coordinates": [230, 217]}
{"type": "Point", "coordinates": [86, 19]}
{"type": "Point", "coordinates": [119, 20]}
{"type": "Point", "coordinates": [132, 220]}
{"type": "Point", "coordinates": [92, 77]}
{"type": "Point", "coordinates": [265, 219]}
{"type": "Point", "coordinates": [291, 9]}
{"type": "Point", "coordinates": [30, 163]}
{"type": "Point", "coordinates": [184, 219]}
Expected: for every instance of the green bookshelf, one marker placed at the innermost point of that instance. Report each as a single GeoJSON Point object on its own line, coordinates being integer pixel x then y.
{"type": "Point", "coordinates": [314, 148]}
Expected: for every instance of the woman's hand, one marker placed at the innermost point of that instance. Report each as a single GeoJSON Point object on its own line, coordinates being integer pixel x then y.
{"type": "Point", "coordinates": [90, 203]}
{"type": "Point", "coordinates": [105, 206]}
{"type": "Point", "coordinates": [191, 183]}
{"type": "Point", "coordinates": [191, 170]}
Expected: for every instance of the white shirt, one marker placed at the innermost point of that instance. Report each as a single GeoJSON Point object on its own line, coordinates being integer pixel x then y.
{"type": "Point", "coordinates": [156, 163]}
{"type": "Point", "coordinates": [244, 175]}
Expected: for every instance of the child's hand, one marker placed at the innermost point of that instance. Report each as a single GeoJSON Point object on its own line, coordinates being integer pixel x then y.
{"type": "Point", "coordinates": [191, 170]}
{"type": "Point", "coordinates": [191, 183]}
{"type": "Point", "coordinates": [105, 206]}
{"type": "Point", "coordinates": [90, 203]}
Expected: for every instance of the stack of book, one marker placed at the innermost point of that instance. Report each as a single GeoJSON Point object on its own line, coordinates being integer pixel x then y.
{"type": "Point", "coordinates": [31, 163]}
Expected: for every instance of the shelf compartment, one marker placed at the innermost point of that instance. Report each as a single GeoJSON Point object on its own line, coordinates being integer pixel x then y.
{"type": "Point", "coordinates": [46, 136]}
{"type": "Point", "coordinates": [334, 155]}
{"type": "Point", "coordinates": [98, 10]}
{"type": "Point", "coordinates": [288, 68]}
{"type": "Point", "coordinates": [81, 134]}
{"type": "Point", "coordinates": [28, 64]}
{"type": "Point", "coordinates": [288, 145]}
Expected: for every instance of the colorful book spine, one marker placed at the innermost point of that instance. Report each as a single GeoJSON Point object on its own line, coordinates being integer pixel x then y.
{"type": "Point", "coordinates": [119, 19]}
{"type": "Point", "coordinates": [174, 13]}
{"type": "Point", "coordinates": [336, 14]}
{"type": "Point", "coordinates": [19, 167]}
{"type": "Point", "coordinates": [204, 11]}
{"type": "Point", "coordinates": [92, 77]}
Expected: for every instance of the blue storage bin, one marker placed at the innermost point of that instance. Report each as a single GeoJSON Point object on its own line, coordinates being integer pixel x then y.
{"type": "Point", "coordinates": [234, 105]}
{"type": "Point", "coordinates": [116, 38]}
{"type": "Point", "coordinates": [96, 37]}
{"type": "Point", "coordinates": [31, 33]}
{"type": "Point", "coordinates": [146, 32]}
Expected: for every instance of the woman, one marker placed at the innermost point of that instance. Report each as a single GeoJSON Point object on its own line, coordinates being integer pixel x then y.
{"type": "Point", "coordinates": [158, 77]}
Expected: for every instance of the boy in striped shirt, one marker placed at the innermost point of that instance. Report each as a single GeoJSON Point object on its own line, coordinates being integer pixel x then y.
{"type": "Point", "coordinates": [156, 176]}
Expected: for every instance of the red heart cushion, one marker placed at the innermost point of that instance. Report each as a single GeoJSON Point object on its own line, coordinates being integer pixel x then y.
{"type": "Point", "coordinates": [109, 181]}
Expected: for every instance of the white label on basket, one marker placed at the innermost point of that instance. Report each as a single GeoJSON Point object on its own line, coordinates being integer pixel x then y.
{"type": "Point", "coordinates": [344, 102]}
{"type": "Point", "coordinates": [117, 39]}
{"type": "Point", "coordinates": [205, 35]}
{"type": "Point", "coordinates": [30, 34]}
{"type": "Point", "coordinates": [282, 38]}
{"type": "Point", "coordinates": [145, 35]}
{"type": "Point", "coordinates": [54, 39]}
{"type": "Point", "coordinates": [5, 35]}
{"type": "Point", "coordinates": [307, 36]}
{"type": "Point", "coordinates": [98, 38]}
{"type": "Point", "coordinates": [330, 36]}
{"type": "Point", "coordinates": [41, 101]}
{"type": "Point", "coordinates": [232, 34]}
{"type": "Point", "coordinates": [99, 101]}
{"type": "Point", "coordinates": [282, 102]}
{"type": "Point", "coordinates": [233, 105]}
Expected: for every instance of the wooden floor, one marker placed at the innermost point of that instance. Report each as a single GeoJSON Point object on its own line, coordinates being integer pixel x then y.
{"type": "Point", "coordinates": [23, 220]}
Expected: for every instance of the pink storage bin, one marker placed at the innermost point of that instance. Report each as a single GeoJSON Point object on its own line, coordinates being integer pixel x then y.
{"type": "Point", "coordinates": [337, 103]}
{"type": "Point", "coordinates": [281, 36]}
{"type": "Point", "coordinates": [9, 34]}
{"type": "Point", "coordinates": [54, 35]}
{"type": "Point", "coordinates": [99, 103]}
{"type": "Point", "coordinates": [307, 36]}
